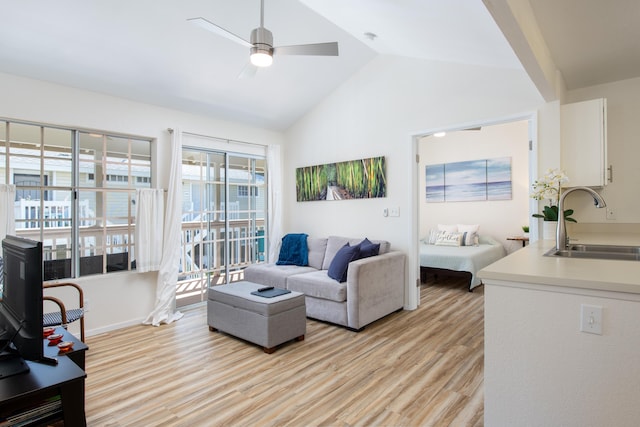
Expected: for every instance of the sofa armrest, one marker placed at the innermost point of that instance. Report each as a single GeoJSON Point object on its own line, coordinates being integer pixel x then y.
{"type": "Point", "coordinates": [375, 287]}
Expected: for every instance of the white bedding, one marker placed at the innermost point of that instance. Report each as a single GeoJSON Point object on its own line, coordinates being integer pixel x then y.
{"type": "Point", "coordinates": [462, 258]}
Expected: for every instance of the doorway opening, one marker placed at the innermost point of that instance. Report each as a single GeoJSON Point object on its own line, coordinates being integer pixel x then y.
{"type": "Point", "coordinates": [514, 138]}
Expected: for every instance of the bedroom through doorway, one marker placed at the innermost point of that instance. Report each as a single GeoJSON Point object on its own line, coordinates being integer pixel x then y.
{"type": "Point", "coordinates": [475, 179]}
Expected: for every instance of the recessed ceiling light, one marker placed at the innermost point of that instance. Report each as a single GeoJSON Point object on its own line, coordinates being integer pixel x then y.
{"type": "Point", "coordinates": [439, 134]}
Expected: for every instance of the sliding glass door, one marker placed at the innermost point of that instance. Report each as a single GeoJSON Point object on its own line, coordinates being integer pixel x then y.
{"type": "Point", "coordinates": [223, 219]}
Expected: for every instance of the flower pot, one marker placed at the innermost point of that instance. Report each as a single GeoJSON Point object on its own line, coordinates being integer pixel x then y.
{"type": "Point", "coordinates": [549, 230]}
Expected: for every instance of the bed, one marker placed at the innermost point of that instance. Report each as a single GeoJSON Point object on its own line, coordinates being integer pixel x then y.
{"type": "Point", "coordinates": [452, 259]}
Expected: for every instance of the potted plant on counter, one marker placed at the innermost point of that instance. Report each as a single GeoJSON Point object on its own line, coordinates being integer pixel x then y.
{"type": "Point", "coordinates": [525, 231]}
{"type": "Point", "coordinates": [549, 188]}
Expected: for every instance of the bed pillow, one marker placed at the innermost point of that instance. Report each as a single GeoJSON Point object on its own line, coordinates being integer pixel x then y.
{"type": "Point", "coordinates": [446, 227]}
{"type": "Point", "coordinates": [340, 263]}
{"type": "Point", "coordinates": [469, 239]}
{"type": "Point", "coordinates": [433, 236]}
{"type": "Point", "coordinates": [471, 234]}
{"type": "Point", "coordinates": [450, 239]}
{"type": "Point", "coordinates": [472, 228]}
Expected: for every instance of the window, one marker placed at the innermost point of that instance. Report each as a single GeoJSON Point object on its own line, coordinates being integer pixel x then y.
{"type": "Point", "coordinates": [75, 192]}
{"type": "Point", "coordinates": [223, 222]}
{"type": "Point", "coordinates": [243, 191]}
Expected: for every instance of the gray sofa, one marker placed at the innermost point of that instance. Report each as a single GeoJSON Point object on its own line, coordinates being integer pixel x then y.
{"type": "Point", "coordinates": [374, 287]}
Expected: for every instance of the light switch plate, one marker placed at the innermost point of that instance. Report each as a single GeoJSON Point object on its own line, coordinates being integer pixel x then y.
{"type": "Point", "coordinates": [591, 319]}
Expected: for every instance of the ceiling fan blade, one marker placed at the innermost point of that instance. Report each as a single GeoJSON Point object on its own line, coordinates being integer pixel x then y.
{"type": "Point", "coordinates": [323, 49]}
{"type": "Point", "coordinates": [210, 26]}
{"type": "Point", "coordinates": [248, 71]}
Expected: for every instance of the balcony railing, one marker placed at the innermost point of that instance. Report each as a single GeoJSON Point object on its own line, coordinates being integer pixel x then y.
{"type": "Point", "coordinates": [56, 213]}
{"type": "Point", "coordinates": [212, 255]}
{"type": "Point", "coordinates": [206, 258]}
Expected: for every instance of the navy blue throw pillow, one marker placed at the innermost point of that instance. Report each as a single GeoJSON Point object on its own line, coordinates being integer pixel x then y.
{"type": "Point", "coordinates": [368, 249]}
{"type": "Point", "coordinates": [340, 262]}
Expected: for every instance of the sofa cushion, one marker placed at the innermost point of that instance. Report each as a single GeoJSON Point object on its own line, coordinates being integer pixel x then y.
{"type": "Point", "coordinates": [318, 284]}
{"type": "Point", "coordinates": [317, 249]}
{"type": "Point", "coordinates": [273, 274]}
{"type": "Point", "coordinates": [340, 263]}
{"type": "Point", "coordinates": [334, 243]}
{"type": "Point", "coordinates": [294, 250]}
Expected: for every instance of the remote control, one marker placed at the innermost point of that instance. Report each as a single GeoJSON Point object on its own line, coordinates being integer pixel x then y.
{"type": "Point", "coordinates": [266, 288]}
{"type": "Point", "coordinates": [48, 361]}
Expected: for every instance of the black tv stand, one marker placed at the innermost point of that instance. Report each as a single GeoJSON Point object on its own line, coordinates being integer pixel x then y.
{"type": "Point", "coordinates": [63, 383]}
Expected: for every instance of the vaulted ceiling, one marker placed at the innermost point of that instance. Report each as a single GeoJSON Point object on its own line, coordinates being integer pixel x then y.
{"type": "Point", "coordinates": [146, 50]}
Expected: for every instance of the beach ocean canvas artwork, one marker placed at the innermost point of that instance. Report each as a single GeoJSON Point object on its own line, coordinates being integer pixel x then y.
{"type": "Point", "coordinates": [473, 180]}
{"type": "Point", "coordinates": [435, 183]}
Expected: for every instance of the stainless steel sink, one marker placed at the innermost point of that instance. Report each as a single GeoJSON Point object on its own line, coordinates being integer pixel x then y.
{"type": "Point", "coordinates": [614, 252]}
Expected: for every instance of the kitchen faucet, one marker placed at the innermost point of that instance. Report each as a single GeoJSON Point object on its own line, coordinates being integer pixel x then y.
{"type": "Point", "coordinates": [562, 240]}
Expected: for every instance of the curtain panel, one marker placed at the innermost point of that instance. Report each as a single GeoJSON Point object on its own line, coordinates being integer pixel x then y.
{"type": "Point", "coordinates": [7, 210]}
{"type": "Point", "coordinates": [274, 202]}
{"type": "Point", "coordinates": [165, 304]}
{"type": "Point", "coordinates": [149, 229]}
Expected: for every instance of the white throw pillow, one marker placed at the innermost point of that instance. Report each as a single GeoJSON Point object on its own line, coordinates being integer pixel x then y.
{"type": "Point", "coordinates": [433, 236]}
{"type": "Point", "coordinates": [450, 228]}
{"type": "Point", "coordinates": [449, 239]}
{"type": "Point", "coordinates": [471, 236]}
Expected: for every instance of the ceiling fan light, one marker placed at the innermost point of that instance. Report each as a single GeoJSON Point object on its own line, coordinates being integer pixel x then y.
{"type": "Point", "coordinates": [261, 59]}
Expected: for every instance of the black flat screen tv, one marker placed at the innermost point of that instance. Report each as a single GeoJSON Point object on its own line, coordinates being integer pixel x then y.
{"type": "Point", "coordinates": [20, 305]}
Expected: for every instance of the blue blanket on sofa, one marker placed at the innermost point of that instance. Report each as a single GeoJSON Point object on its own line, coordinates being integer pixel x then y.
{"type": "Point", "coordinates": [294, 250]}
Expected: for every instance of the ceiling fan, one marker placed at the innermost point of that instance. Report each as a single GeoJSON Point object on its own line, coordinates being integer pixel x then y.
{"type": "Point", "coordinates": [261, 44]}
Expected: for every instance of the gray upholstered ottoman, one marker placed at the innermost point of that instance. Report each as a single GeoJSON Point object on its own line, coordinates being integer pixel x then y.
{"type": "Point", "coordinates": [268, 322]}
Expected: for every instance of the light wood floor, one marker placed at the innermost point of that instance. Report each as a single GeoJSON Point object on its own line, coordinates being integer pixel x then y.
{"type": "Point", "coordinates": [412, 368]}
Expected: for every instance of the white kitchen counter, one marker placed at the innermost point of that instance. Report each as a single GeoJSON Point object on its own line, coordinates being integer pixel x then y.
{"type": "Point", "coordinates": [541, 368]}
{"type": "Point", "coordinates": [528, 265]}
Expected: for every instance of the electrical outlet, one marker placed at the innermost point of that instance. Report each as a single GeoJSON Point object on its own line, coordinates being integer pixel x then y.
{"type": "Point", "coordinates": [591, 319]}
{"type": "Point", "coordinates": [395, 211]}
{"type": "Point", "coordinates": [86, 305]}
{"type": "Point", "coordinates": [611, 214]}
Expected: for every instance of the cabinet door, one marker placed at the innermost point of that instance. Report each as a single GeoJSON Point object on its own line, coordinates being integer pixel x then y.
{"type": "Point", "coordinates": [584, 142]}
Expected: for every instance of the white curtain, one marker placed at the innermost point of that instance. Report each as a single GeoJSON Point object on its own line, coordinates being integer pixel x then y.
{"type": "Point", "coordinates": [275, 201]}
{"type": "Point", "coordinates": [165, 306]}
{"type": "Point", "coordinates": [149, 229]}
{"type": "Point", "coordinates": [7, 207]}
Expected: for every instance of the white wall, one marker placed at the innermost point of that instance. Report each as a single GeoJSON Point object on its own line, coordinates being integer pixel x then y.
{"type": "Point", "coordinates": [623, 110]}
{"type": "Point", "coordinates": [499, 219]}
{"type": "Point", "coordinates": [375, 113]}
{"type": "Point", "coordinates": [116, 299]}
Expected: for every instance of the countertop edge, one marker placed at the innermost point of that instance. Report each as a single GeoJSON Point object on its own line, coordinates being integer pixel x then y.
{"type": "Point", "coordinates": [529, 265]}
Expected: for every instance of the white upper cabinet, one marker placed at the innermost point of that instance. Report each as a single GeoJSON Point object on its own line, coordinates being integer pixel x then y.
{"type": "Point", "coordinates": [584, 142]}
